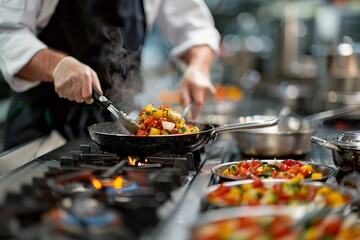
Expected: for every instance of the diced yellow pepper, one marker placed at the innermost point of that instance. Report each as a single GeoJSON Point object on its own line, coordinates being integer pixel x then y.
{"type": "Point", "coordinates": [154, 131]}
{"type": "Point", "coordinates": [247, 186]}
{"type": "Point", "coordinates": [245, 196]}
{"type": "Point", "coordinates": [299, 177]}
{"type": "Point", "coordinates": [324, 190]}
{"type": "Point", "coordinates": [335, 198]}
{"type": "Point", "coordinates": [180, 122]}
{"type": "Point", "coordinates": [195, 129]}
{"type": "Point", "coordinates": [310, 233]}
{"type": "Point", "coordinates": [316, 175]}
{"type": "Point", "coordinates": [164, 132]}
{"type": "Point", "coordinates": [306, 167]}
{"type": "Point", "coordinates": [149, 108]}
{"type": "Point", "coordinates": [165, 112]}
{"type": "Point", "coordinates": [158, 114]}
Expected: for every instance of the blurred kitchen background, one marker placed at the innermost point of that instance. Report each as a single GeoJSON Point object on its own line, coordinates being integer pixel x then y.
{"type": "Point", "coordinates": [301, 54]}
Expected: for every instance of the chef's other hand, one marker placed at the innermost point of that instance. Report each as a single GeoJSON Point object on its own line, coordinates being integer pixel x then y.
{"type": "Point", "coordinates": [196, 88]}
{"type": "Point", "coordinates": [74, 80]}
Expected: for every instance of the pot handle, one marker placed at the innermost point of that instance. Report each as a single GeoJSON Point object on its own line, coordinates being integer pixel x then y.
{"type": "Point", "coordinates": [324, 143]}
{"type": "Point", "coordinates": [243, 126]}
{"type": "Point", "coordinates": [246, 125]}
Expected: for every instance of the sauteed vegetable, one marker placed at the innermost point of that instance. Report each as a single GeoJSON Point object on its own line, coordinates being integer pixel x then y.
{"type": "Point", "coordinates": [290, 192]}
{"type": "Point", "coordinates": [287, 169]}
{"type": "Point", "coordinates": [162, 120]}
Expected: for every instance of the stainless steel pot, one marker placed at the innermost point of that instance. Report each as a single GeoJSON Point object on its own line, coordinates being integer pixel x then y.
{"type": "Point", "coordinates": [291, 137]}
{"type": "Point", "coordinates": [345, 149]}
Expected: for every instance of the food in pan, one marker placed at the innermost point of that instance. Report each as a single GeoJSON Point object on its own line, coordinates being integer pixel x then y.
{"type": "Point", "coordinates": [162, 120]}
{"type": "Point", "coordinates": [278, 227]}
{"type": "Point", "coordinates": [285, 169]}
{"type": "Point", "coordinates": [277, 192]}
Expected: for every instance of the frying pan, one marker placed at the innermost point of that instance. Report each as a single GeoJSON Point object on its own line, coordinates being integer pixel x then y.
{"type": "Point", "coordinates": [110, 137]}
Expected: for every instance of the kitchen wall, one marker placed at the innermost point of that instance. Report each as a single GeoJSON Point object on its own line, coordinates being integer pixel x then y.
{"type": "Point", "coordinates": [281, 41]}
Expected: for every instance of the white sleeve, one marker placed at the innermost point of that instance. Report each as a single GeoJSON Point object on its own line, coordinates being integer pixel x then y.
{"type": "Point", "coordinates": [19, 20]}
{"type": "Point", "coordinates": [187, 23]}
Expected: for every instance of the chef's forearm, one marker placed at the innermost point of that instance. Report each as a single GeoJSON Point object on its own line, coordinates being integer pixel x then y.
{"type": "Point", "coordinates": [201, 56]}
{"type": "Point", "coordinates": [41, 65]}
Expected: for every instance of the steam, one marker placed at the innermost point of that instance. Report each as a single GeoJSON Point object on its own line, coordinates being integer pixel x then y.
{"type": "Point", "coordinates": [129, 89]}
{"type": "Point", "coordinates": [122, 70]}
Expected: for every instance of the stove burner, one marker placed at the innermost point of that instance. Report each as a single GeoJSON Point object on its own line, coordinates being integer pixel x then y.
{"type": "Point", "coordinates": [79, 215]}
{"type": "Point", "coordinates": [91, 194]}
{"type": "Point", "coordinates": [117, 185]}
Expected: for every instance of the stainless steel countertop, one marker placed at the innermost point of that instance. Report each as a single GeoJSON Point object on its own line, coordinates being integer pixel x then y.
{"type": "Point", "coordinates": [18, 156]}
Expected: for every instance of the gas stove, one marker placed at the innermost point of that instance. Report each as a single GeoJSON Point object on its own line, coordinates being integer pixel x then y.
{"type": "Point", "coordinates": [79, 191]}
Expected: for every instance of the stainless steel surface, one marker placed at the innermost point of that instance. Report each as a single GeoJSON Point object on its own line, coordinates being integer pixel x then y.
{"type": "Point", "coordinates": [19, 156]}
{"type": "Point", "coordinates": [290, 137]}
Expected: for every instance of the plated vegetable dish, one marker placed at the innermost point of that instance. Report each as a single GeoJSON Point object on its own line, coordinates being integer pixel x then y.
{"type": "Point", "coordinates": [163, 120]}
{"type": "Point", "coordinates": [278, 227]}
{"type": "Point", "coordinates": [287, 192]}
{"type": "Point", "coordinates": [286, 169]}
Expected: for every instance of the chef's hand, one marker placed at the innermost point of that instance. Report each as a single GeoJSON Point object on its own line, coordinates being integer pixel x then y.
{"type": "Point", "coordinates": [196, 88]}
{"type": "Point", "coordinates": [74, 80]}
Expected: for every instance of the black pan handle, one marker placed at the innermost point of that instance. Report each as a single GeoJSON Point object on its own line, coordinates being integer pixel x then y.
{"type": "Point", "coordinates": [100, 99]}
{"type": "Point", "coordinates": [105, 103]}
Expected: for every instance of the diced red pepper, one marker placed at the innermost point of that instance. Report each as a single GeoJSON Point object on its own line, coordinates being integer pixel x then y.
{"type": "Point", "coordinates": [148, 120]}
{"type": "Point", "coordinates": [141, 132]}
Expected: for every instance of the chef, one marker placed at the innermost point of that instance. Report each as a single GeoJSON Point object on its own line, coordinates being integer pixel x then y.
{"type": "Point", "coordinates": [54, 52]}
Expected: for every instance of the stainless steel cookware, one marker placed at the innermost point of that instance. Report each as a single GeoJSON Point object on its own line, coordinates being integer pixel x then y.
{"type": "Point", "coordinates": [291, 137]}
{"type": "Point", "coordinates": [345, 149]}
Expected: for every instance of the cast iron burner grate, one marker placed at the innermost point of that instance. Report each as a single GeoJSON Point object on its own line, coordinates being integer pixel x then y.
{"type": "Point", "coordinates": [90, 155]}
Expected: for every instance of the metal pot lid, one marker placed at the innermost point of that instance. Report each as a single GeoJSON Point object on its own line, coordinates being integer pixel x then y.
{"type": "Point", "coordinates": [349, 139]}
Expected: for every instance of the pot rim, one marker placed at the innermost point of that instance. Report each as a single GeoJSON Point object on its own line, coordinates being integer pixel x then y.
{"type": "Point", "coordinates": [349, 143]}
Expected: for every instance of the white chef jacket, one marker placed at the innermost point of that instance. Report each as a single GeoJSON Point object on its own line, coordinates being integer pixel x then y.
{"type": "Point", "coordinates": [184, 23]}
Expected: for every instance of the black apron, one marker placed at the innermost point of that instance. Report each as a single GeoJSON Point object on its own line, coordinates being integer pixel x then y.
{"type": "Point", "coordinates": [107, 36]}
